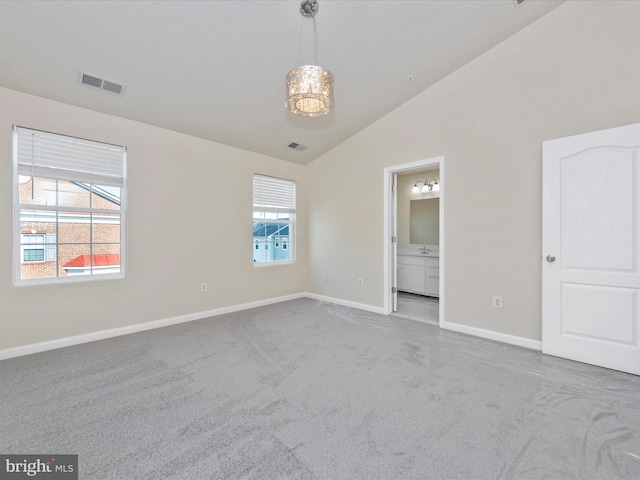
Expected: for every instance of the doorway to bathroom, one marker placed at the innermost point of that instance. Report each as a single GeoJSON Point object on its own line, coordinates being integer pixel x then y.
{"type": "Point", "coordinates": [414, 240]}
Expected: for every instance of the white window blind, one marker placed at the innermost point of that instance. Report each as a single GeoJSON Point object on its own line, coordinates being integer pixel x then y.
{"type": "Point", "coordinates": [272, 194]}
{"type": "Point", "coordinates": [49, 155]}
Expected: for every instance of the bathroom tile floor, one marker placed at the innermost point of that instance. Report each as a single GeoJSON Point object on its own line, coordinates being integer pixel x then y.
{"type": "Point", "coordinates": [418, 307]}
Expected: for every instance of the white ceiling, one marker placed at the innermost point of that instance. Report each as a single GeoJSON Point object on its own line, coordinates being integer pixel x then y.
{"type": "Point", "coordinates": [216, 69]}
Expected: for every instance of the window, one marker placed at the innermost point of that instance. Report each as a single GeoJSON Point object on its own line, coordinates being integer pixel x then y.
{"type": "Point", "coordinates": [69, 202]}
{"type": "Point", "coordinates": [37, 247]}
{"type": "Point", "coordinates": [274, 209]}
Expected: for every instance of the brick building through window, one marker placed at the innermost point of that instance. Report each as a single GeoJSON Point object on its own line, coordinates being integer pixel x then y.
{"type": "Point", "coordinates": [58, 243]}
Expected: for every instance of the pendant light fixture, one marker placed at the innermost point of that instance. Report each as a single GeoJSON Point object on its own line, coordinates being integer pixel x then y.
{"type": "Point", "coordinates": [309, 88]}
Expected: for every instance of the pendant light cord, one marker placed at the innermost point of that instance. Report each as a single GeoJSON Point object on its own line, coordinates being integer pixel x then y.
{"type": "Point", "coordinates": [300, 42]}
{"type": "Point", "coordinates": [315, 41]}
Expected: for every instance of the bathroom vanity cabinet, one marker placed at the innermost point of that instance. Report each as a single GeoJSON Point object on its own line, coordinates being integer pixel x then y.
{"type": "Point", "coordinates": [419, 274]}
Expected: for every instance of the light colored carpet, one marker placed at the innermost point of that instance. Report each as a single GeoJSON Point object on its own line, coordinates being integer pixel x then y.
{"type": "Point", "coordinates": [310, 390]}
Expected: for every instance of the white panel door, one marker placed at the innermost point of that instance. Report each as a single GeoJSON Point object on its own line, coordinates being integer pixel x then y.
{"type": "Point", "coordinates": [590, 274]}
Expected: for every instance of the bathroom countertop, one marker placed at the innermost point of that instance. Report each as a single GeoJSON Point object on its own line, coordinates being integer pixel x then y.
{"type": "Point", "coordinates": [416, 254]}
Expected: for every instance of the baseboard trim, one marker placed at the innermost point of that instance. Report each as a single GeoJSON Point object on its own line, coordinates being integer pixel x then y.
{"type": "Point", "coordinates": [138, 327]}
{"type": "Point", "coordinates": [141, 327]}
{"type": "Point", "coordinates": [346, 303]}
{"type": "Point", "coordinates": [491, 335]}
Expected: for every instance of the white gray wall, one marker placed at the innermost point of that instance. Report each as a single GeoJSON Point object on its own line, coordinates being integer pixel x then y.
{"type": "Point", "coordinates": [189, 220]}
{"type": "Point", "coordinates": [573, 71]}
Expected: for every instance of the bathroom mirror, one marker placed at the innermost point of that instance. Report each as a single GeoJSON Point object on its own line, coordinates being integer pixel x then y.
{"type": "Point", "coordinates": [424, 221]}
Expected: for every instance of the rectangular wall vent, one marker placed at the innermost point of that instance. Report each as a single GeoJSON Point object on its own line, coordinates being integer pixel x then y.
{"type": "Point", "coordinates": [296, 146]}
{"type": "Point", "coordinates": [94, 81]}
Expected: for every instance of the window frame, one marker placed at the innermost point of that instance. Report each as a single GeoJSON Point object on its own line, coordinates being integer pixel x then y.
{"type": "Point", "coordinates": [288, 206]}
{"type": "Point", "coordinates": [61, 210]}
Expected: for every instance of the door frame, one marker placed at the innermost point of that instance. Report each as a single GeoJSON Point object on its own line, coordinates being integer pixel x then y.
{"type": "Point", "coordinates": [390, 214]}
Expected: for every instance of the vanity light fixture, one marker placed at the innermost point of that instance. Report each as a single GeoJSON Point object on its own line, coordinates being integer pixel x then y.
{"type": "Point", "coordinates": [428, 186]}
{"type": "Point", "coordinates": [309, 88]}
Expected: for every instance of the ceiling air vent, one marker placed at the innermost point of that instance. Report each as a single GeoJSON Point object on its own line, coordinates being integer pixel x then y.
{"type": "Point", "coordinates": [93, 81]}
{"type": "Point", "coordinates": [518, 2]}
{"type": "Point", "coordinates": [297, 146]}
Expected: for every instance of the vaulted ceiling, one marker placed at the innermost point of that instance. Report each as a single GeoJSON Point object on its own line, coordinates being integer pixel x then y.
{"type": "Point", "coordinates": [216, 69]}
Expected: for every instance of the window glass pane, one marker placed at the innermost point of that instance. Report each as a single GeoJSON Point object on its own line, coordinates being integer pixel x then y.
{"type": "Point", "coordinates": [31, 270]}
{"type": "Point", "coordinates": [106, 258]}
{"type": "Point", "coordinates": [32, 239]}
{"type": "Point", "coordinates": [105, 197]}
{"type": "Point", "coordinates": [74, 227]}
{"type": "Point", "coordinates": [259, 254]}
{"type": "Point", "coordinates": [269, 237]}
{"type": "Point", "coordinates": [106, 249]}
{"type": "Point", "coordinates": [283, 254]}
{"type": "Point", "coordinates": [38, 222]}
{"type": "Point", "coordinates": [36, 191]}
{"type": "Point", "coordinates": [259, 229]}
{"type": "Point", "coordinates": [72, 194]}
{"type": "Point", "coordinates": [32, 247]}
{"type": "Point", "coordinates": [74, 259]}
{"type": "Point", "coordinates": [106, 228]}
{"type": "Point", "coordinates": [31, 254]}
{"type": "Point", "coordinates": [33, 231]}
{"type": "Point", "coordinates": [43, 240]}
{"type": "Point", "coordinates": [259, 232]}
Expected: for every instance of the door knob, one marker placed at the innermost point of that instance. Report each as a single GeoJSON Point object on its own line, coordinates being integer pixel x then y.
{"type": "Point", "coordinates": [551, 258]}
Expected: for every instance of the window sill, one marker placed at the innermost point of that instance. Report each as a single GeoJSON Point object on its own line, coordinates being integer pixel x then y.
{"type": "Point", "coordinates": [69, 279]}
{"type": "Point", "coordinates": [272, 264]}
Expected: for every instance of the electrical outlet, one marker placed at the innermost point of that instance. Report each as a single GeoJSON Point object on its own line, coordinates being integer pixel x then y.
{"type": "Point", "coordinates": [497, 302]}
{"type": "Point", "coordinates": [204, 286]}
{"type": "Point", "coordinates": [360, 282]}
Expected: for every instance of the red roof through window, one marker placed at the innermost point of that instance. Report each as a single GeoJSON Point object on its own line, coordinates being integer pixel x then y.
{"type": "Point", "coordinates": [98, 260]}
